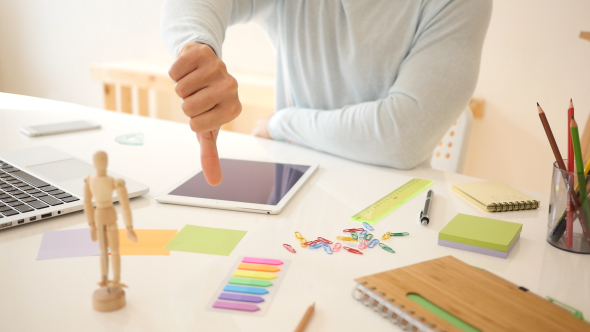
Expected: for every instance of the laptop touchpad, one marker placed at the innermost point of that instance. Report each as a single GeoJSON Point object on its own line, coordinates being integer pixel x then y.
{"type": "Point", "coordinates": [63, 170]}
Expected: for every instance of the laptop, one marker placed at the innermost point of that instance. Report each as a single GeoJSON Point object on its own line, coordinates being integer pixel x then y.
{"type": "Point", "coordinates": [43, 182]}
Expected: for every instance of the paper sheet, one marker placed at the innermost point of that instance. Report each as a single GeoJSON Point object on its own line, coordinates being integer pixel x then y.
{"type": "Point", "coordinates": [68, 243]}
{"type": "Point", "coordinates": [206, 240]}
{"type": "Point", "coordinates": [150, 242]}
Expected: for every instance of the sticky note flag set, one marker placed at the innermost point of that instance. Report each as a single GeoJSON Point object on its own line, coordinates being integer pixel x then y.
{"type": "Point", "coordinates": [250, 286]}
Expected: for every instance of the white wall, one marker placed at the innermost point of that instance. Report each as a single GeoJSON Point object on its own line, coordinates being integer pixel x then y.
{"type": "Point", "coordinates": [532, 53]}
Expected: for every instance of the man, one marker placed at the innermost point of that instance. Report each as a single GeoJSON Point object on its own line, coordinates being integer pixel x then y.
{"type": "Point", "coordinates": [375, 81]}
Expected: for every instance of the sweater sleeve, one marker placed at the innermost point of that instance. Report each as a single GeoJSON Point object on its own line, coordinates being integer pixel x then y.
{"type": "Point", "coordinates": [434, 84]}
{"type": "Point", "coordinates": [205, 21]}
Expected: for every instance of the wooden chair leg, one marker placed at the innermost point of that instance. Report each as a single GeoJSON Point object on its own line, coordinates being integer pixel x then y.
{"type": "Point", "coordinates": [110, 98]}
{"type": "Point", "coordinates": [143, 102]}
{"type": "Point", "coordinates": [126, 101]}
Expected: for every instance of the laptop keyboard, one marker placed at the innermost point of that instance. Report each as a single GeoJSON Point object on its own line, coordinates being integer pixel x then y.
{"type": "Point", "coordinates": [21, 192]}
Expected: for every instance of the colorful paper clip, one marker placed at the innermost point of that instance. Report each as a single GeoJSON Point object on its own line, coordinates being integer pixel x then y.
{"type": "Point", "coordinates": [298, 236]}
{"type": "Point", "coordinates": [400, 234]}
{"type": "Point", "coordinates": [362, 234]}
{"type": "Point", "coordinates": [303, 242]}
{"type": "Point", "coordinates": [328, 249]}
{"type": "Point", "coordinates": [353, 230]}
{"type": "Point", "coordinates": [288, 247]}
{"type": "Point", "coordinates": [367, 226]}
{"type": "Point", "coordinates": [363, 244]}
{"type": "Point", "coordinates": [344, 238]}
{"type": "Point", "coordinates": [354, 251]}
{"type": "Point", "coordinates": [368, 237]}
{"type": "Point", "coordinates": [324, 240]}
{"type": "Point", "coordinates": [386, 236]}
{"type": "Point", "coordinates": [337, 247]}
{"type": "Point", "coordinates": [316, 245]}
{"type": "Point", "coordinates": [354, 235]}
{"type": "Point", "coordinates": [373, 243]}
{"type": "Point", "coordinates": [386, 248]}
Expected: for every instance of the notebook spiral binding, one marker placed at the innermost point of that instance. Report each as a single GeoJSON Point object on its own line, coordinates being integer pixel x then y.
{"type": "Point", "coordinates": [513, 206]}
{"type": "Point", "coordinates": [392, 311]}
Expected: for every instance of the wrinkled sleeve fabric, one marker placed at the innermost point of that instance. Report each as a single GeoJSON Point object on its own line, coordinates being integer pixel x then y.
{"type": "Point", "coordinates": [205, 21]}
{"type": "Point", "coordinates": [434, 85]}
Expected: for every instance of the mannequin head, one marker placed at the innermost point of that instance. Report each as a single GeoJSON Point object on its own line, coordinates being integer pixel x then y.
{"type": "Point", "coordinates": [100, 163]}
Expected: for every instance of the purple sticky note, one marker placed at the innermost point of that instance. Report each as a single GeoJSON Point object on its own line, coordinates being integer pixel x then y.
{"type": "Point", "coordinates": [479, 250]}
{"type": "Point", "coordinates": [69, 243]}
{"type": "Point", "coordinates": [235, 306]}
{"type": "Point", "coordinates": [243, 298]}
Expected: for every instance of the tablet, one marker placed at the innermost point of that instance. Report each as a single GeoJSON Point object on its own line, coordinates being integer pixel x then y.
{"type": "Point", "coordinates": [251, 186]}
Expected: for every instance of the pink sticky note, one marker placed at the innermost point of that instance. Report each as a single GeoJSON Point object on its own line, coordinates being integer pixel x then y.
{"type": "Point", "coordinates": [262, 261]}
{"type": "Point", "coordinates": [235, 306]}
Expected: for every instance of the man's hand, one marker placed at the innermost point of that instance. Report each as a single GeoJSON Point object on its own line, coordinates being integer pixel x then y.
{"type": "Point", "coordinates": [261, 128]}
{"type": "Point", "coordinates": [209, 97]}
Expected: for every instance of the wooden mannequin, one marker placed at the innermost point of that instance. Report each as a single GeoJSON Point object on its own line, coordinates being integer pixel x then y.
{"type": "Point", "coordinates": [103, 226]}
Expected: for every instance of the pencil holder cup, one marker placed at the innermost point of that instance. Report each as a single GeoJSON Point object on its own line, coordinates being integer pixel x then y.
{"type": "Point", "coordinates": [574, 237]}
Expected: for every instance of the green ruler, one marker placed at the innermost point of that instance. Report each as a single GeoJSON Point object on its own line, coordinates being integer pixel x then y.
{"type": "Point", "coordinates": [392, 201]}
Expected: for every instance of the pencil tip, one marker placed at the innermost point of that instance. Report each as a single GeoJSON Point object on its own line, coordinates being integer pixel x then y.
{"type": "Point", "coordinates": [538, 104]}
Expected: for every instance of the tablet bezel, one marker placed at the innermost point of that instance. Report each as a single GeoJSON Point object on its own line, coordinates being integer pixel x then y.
{"type": "Point", "coordinates": [237, 206]}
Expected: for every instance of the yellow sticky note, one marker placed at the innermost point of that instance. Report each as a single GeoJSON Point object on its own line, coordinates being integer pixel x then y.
{"type": "Point", "coordinates": [258, 267]}
{"type": "Point", "coordinates": [149, 242]}
{"type": "Point", "coordinates": [255, 275]}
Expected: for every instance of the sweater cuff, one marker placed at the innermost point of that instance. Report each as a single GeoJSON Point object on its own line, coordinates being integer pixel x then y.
{"type": "Point", "coordinates": [274, 126]}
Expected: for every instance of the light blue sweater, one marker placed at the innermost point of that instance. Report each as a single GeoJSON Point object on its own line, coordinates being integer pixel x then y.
{"type": "Point", "coordinates": [376, 81]}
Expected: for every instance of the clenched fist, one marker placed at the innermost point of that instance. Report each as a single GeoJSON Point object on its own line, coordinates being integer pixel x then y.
{"type": "Point", "coordinates": [209, 97]}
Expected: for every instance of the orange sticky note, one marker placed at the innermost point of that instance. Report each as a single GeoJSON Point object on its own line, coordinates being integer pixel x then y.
{"type": "Point", "coordinates": [258, 267]}
{"type": "Point", "coordinates": [149, 242]}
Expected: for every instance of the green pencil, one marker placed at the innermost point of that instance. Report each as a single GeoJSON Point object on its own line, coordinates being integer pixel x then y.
{"type": "Point", "coordinates": [580, 168]}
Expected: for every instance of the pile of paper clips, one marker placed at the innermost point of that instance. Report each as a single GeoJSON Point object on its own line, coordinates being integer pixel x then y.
{"type": "Point", "coordinates": [361, 236]}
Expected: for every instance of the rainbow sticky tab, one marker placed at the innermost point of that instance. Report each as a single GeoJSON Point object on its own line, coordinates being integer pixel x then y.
{"type": "Point", "coordinates": [242, 298]}
{"type": "Point", "coordinates": [252, 274]}
{"type": "Point", "coordinates": [245, 289]}
{"type": "Point", "coordinates": [235, 306]}
{"type": "Point", "coordinates": [373, 243]}
{"type": "Point", "coordinates": [258, 267]}
{"type": "Point", "coordinates": [337, 247]}
{"type": "Point", "coordinates": [363, 244]}
{"type": "Point", "coordinates": [261, 261]}
{"type": "Point", "coordinates": [249, 282]}
{"type": "Point", "coordinates": [368, 237]}
{"type": "Point", "coordinates": [367, 226]}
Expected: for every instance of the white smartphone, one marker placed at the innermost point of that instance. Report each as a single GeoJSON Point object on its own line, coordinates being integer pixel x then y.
{"type": "Point", "coordinates": [58, 128]}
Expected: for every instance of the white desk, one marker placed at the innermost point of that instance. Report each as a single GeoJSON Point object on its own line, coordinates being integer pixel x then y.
{"type": "Point", "coordinates": [168, 293]}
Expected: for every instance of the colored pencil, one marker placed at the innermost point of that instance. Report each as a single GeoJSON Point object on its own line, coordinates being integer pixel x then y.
{"type": "Point", "coordinates": [551, 138]}
{"type": "Point", "coordinates": [569, 233]}
{"type": "Point", "coordinates": [581, 177]}
{"type": "Point", "coordinates": [306, 317]}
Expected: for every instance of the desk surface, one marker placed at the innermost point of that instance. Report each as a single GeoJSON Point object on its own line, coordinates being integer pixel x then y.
{"type": "Point", "coordinates": [168, 293]}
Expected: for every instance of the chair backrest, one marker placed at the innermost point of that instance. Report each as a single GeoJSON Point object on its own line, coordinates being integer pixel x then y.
{"type": "Point", "coordinates": [451, 152]}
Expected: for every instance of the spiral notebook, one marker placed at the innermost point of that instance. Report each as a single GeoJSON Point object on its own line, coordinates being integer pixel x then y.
{"type": "Point", "coordinates": [446, 294]}
{"type": "Point", "coordinates": [495, 196]}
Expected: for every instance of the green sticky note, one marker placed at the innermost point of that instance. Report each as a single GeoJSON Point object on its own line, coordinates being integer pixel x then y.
{"type": "Point", "coordinates": [481, 232]}
{"type": "Point", "coordinates": [206, 240]}
{"type": "Point", "coordinates": [249, 282]}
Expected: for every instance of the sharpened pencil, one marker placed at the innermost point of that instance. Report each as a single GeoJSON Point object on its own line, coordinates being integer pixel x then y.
{"type": "Point", "coordinates": [306, 317]}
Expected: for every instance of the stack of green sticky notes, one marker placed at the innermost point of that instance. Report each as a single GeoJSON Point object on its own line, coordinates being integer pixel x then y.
{"type": "Point", "coordinates": [482, 235]}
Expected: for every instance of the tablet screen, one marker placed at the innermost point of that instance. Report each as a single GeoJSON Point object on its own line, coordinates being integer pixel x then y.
{"type": "Point", "coordinates": [245, 181]}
